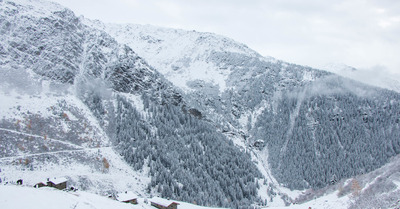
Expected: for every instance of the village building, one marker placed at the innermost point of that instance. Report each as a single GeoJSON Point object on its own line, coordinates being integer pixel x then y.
{"type": "Point", "coordinates": [59, 183]}
{"type": "Point", "coordinates": [40, 184]}
{"type": "Point", "coordinates": [127, 197]}
{"type": "Point", "coordinates": [163, 203]}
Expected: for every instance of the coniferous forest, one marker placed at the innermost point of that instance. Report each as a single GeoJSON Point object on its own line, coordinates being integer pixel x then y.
{"type": "Point", "coordinates": [188, 159]}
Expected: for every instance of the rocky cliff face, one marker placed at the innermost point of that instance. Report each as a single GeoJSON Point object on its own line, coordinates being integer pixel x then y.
{"type": "Point", "coordinates": [56, 44]}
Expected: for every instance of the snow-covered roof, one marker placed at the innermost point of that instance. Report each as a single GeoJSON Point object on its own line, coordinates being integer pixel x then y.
{"type": "Point", "coordinates": [162, 201]}
{"type": "Point", "coordinates": [126, 196]}
{"type": "Point", "coordinates": [58, 180]}
{"type": "Point", "coordinates": [41, 182]}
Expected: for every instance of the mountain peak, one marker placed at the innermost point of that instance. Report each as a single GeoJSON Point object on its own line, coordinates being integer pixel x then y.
{"type": "Point", "coordinates": [181, 56]}
{"type": "Point", "coordinates": [36, 8]}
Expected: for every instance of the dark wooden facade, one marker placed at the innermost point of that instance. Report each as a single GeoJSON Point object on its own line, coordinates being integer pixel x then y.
{"type": "Point", "coordinates": [40, 184]}
{"type": "Point", "coordinates": [132, 201]}
{"type": "Point", "coordinates": [60, 186]}
{"type": "Point", "coordinates": [173, 205]}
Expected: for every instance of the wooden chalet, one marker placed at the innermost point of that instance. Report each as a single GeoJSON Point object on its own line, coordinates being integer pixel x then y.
{"type": "Point", "coordinates": [40, 184]}
{"type": "Point", "coordinates": [127, 197]}
{"type": "Point", "coordinates": [163, 203]}
{"type": "Point", "coordinates": [59, 183]}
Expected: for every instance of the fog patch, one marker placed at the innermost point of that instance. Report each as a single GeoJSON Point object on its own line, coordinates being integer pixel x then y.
{"type": "Point", "coordinates": [378, 75]}
{"type": "Point", "coordinates": [333, 85]}
{"type": "Point", "coordinates": [88, 87]}
{"type": "Point", "coordinates": [25, 81]}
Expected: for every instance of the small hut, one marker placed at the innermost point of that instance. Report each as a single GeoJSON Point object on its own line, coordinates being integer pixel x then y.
{"type": "Point", "coordinates": [163, 203]}
{"type": "Point", "coordinates": [40, 184]}
{"type": "Point", "coordinates": [127, 197]}
{"type": "Point", "coordinates": [59, 183]}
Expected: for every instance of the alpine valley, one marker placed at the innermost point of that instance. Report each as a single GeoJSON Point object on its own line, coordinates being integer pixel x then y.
{"type": "Point", "coordinates": [185, 115]}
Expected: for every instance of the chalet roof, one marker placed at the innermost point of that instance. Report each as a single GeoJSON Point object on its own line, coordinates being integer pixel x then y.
{"type": "Point", "coordinates": [126, 196]}
{"type": "Point", "coordinates": [58, 180]}
{"type": "Point", "coordinates": [161, 201]}
{"type": "Point", "coordinates": [41, 182]}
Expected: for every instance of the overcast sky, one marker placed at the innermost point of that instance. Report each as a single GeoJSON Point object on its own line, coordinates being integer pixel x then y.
{"type": "Point", "coordinates": [364, 34]}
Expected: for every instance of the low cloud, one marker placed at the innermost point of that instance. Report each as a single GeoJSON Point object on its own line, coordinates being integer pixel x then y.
{"type": "Point", "coordinates": [378, 75]}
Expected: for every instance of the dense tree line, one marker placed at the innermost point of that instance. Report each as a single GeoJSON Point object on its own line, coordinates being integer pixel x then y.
{"type": "Point", "coordinates": [188, 159]}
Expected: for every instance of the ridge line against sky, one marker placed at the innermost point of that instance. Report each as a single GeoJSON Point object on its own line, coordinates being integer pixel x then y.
{"type": "Point", "coordinates": [360, 33]}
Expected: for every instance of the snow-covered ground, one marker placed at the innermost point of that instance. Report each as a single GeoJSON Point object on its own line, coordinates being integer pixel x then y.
{"type": "Point", "coordinates": [83, 168]}
{"type": "Point", "coordinates": [330, 201]}
{"type": "Point", "coordinates": [22, 197]}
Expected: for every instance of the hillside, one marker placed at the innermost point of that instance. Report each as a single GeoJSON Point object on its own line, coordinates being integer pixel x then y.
{"type": "Point", "coordinates": [186, 115]}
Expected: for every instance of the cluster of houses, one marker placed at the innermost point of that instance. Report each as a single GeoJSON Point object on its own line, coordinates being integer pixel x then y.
{"type": "Point", "coordinates": [126, 197]}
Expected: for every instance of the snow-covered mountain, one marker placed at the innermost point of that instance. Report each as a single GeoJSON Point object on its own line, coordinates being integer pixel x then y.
{"type": "Point", "coordinates": [257, 93]}
{"type": "Point", "coordinates": [186, 115]}
{"type": "Point", "coordinates": [183, 57]}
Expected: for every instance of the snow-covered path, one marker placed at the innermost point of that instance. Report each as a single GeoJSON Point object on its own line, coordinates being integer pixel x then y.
{"type": "Point", "coordinates": [38, 136]}
{"type": "Point", "coordinates": [55, 152]}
